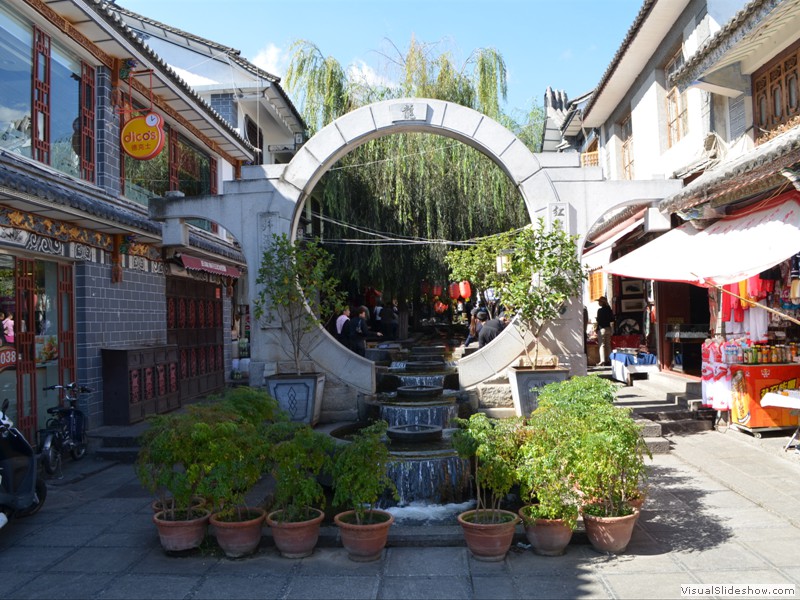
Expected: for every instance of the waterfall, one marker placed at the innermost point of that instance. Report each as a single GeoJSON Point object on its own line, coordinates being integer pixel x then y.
{"type": "Point", "coordinates": [437, 480]}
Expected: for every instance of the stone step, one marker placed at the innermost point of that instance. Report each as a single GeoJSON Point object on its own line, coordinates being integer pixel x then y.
{"type": "Point", "coordinates": [650, 428]}
{"type": "Point", "coordinates": [127, 455]}
{"type": "Point", "coordinates": [657, 445]}
{"type": "Point", "coordinates": [498, 412]}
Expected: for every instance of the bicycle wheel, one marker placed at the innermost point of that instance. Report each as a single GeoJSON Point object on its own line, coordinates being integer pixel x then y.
{"type": "Point", "coordinates": [41, 495]}
{"type": "Point", "coordinates": [51, 456]}
{"type": "Point", "coordinates": [78, 451]}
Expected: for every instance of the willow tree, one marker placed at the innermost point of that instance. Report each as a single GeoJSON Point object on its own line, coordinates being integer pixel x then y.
{"type": "Point", "coordinates": [397, 204]}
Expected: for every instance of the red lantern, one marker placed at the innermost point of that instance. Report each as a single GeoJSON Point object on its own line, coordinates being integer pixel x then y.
{"type": "Point", "coordinates": [465, 290]}
{"type": "Point", "coordinates": [425, 287]}
{"type": "Point", "coordinates": [454, 292]}
{"type": "Point", "coordinates": [437, 290]}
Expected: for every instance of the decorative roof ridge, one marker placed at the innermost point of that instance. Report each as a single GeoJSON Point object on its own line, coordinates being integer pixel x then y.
{"type": "Point", "coordinates": [232, 53]}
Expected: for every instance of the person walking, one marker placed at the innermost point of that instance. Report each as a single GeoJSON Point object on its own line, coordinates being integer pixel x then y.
{"type": "Point", "coordinates": [359, 330]}
{"type": "Point", "coordinates": [490, 328]}
{"type": "Point", "coordinates": [343, 327]}
{"type": "Point", "coordinates": [604, 325]}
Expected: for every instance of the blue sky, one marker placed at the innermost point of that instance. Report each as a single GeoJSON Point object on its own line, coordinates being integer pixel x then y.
{"type": "Point", "coordinates": [563, 44]}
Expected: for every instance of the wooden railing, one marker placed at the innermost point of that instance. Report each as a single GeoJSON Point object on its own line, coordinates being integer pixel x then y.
{"type": "Point", "coordinates": [590, 159]}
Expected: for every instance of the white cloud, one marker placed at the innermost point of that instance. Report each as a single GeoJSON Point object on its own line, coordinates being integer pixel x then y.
{"type": "Point", "coordinates": [272, 59]}
{"type": "Point", "coordinates": [363, 73]}
{"type": "Point", "coordinates": [566, 54]}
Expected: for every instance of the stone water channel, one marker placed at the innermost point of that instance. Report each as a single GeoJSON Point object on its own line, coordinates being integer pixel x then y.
{"type": "Point", "coordinates": [420, 400]}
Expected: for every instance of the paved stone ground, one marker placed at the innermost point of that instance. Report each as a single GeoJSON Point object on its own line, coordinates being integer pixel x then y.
{"type": "Point", "coordinates": [722, 508]}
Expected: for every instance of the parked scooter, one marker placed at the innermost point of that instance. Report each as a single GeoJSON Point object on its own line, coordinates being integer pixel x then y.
{"type": "Point", "coordinates": [65, 430]}
{"type": "Point", "coordinates": [22, 491]}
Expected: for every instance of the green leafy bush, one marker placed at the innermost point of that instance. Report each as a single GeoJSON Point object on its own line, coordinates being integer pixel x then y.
{"type": "Point", "coordinates": [360, 475]}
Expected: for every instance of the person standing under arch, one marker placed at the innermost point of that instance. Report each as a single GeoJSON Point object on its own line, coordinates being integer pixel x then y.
{"type": "Point", "coordinates": [604, 324]}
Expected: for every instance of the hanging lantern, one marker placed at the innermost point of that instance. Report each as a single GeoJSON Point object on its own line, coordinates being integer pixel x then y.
{"type": "Point", "coordinates": [465, 289]}
{"type": "Point", "coordinates": [454, 291]}
{"type": "Point", "coordinates": [425, 288]}
{"type": "Point", "coordinates": [437, 290]}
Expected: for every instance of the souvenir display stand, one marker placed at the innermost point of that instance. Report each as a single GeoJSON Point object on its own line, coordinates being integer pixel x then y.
{"type": "Point", "coordinates": [749, 386]}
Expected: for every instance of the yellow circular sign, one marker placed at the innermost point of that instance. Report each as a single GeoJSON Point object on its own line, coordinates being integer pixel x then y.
{"type": "Point", "coordinates": [143, 137]}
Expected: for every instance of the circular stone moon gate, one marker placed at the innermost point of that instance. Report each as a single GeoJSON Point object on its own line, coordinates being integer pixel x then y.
{"type": "Point", "coordinates": [269, 199]}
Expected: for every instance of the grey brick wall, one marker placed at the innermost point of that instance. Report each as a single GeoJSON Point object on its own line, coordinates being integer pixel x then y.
{"type": "Point", "coordinates": [225, 105]}
{"type": "Point", "coordinates": [108, 315]}
{"type": "Point", "coordinates": [107, 135]}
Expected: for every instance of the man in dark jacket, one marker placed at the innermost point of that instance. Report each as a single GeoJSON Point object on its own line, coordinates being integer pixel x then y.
{"type": "Point", "coordinates": [490, 328]}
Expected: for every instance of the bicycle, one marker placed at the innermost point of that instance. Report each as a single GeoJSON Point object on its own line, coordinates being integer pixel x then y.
{"type": "Point", "coordinates": [65, 430]}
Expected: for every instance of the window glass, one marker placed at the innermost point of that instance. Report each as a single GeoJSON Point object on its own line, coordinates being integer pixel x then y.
{"type": "Point", "coordinates": [65, 123]}
{"type": "Point", "coordinates": [145, 179]}
{"type": "Point", "coordinates": [16, 74]}
{"type": "Point", "coordinates": [194, 171]}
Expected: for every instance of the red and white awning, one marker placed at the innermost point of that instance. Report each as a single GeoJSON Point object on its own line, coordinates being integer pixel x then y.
{"type": "Point", "coordinates": [727, 251]}
{"type": "Point", "coordinates": [202, 264]}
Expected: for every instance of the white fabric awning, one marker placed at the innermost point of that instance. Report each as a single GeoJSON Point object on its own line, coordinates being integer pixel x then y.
{"type": "Point", "coordinates": [600, 255]}
{"type": "Point", "coordinates": [727, 251]}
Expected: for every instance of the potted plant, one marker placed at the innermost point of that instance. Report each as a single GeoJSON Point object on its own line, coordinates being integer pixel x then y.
{"type": "Point", "coordinates": [298, 456]}
{"type": "Point", "coordinates": [547, 483]}
{"type": "Point", "coordinates": [492, 445]}
{"type": "Point", "coordinates": [172, 464]}
{"type": "Point", "coordinates": [360, 479]}
{"type": "Point", "coordinates": [610, 472]}
{"type": "Point", "coordinates": [295, 292]}
{"type": "Point", "coordinates": [540, 272]}
{"type": "Point", "coordinates": [237, 451]}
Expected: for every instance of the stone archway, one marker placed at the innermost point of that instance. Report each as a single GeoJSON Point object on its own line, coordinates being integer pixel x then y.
{"type": "Point", "coordinates": [268, 199]}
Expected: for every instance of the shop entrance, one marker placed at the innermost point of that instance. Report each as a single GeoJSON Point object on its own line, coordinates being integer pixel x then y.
{"type": "Point", "coordinates": [37, 348]}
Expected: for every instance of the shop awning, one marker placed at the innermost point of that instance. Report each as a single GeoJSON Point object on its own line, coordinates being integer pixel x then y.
{"type": "Point", "coordinates": [201, 264]}
{"type": "Point", "coordinates": [600, 255]}
{"type": "Point", "coordinates": [727, 251]}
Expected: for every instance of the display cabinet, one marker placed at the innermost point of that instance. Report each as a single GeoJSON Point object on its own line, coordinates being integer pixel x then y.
{"type": "Point", "coordinates": [139, 381]}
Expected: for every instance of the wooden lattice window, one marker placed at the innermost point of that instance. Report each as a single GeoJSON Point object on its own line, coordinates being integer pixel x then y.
{"type": "Point", "coordinates": [40, 118]}
{"type": "Point", "coordinates": [626, 134]}
{"type": "Point", "coordinates": [776, 93]}
{"type": "Point", "coordinates": [87, 152]}
{"type": "Point", "coordinates": [677, 113]}
{"type": "Point", "coordinates": [596, 285]}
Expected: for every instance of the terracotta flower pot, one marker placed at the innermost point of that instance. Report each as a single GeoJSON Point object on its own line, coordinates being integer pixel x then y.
{"type": "Point", "coordinates": [295, 540]}
{"type": "Point", "coordinates": [366, 542]}
{"type": "Point", "coordinates": [548, 537]}
{"type": "Point", "coordinates": [239, 538]}
{"type": "Point", "coordinates": [160, 504]}
{"type": "Point", "coordinates": [488, 541]}
{"type": "Point", "coordinates": [610, 534]}
{"type": "Point", "coordinates": [182, 534]}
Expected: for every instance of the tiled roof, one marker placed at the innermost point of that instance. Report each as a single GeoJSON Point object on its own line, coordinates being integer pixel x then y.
{"type": "Point", "coordinates": [750, 173]}
{"type": "Point", "coordinates": [110, 13]}
{"type": "Point", "coordinates": [21, 176]}
{"type": "Point", "coordinates": [612, 67]}
{"type": "Point", "coordinates": [232, 53]}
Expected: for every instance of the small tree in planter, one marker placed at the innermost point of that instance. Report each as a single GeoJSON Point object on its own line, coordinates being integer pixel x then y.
{"type": "Point", "coordinates": [492, 444]}
{"type": "Point", "coordinates": [296, 293]}
{"type": "Point", "coordinates": [299, 455]}
{"type": "Point", "coordinates": [360, 479]}
{"type": "Point", "coordinates": [542, 273]}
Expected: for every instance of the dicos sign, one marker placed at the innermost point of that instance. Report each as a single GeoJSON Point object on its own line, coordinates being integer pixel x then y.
{"type": "Point", "coordinates": [143, 137]}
